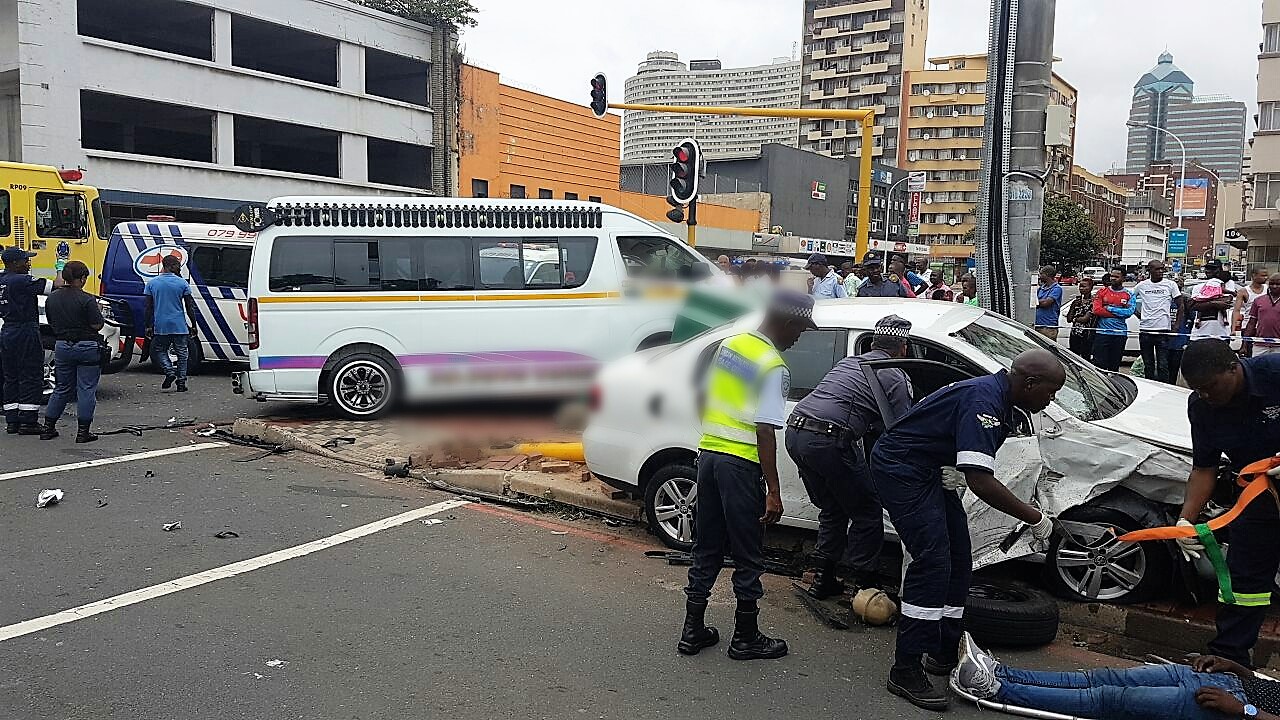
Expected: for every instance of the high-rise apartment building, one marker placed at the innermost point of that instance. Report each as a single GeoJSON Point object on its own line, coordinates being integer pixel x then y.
{"type": "Point", "coordinates": [1105, 203]}
{"type": "Point", "coordinates": [855, 53]}
{"type": "Point", "coordinates": [1212, 128]}
{"type": "Point", "coordinates": [1261, 225]}
{"type": "Point", "coordinates": [942, 134]}
{"type": "Point", "coordinates": [663, 79]}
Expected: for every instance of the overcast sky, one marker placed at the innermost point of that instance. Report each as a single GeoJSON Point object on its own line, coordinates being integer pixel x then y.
{"type": "Point", "coordinates": [554, 46]}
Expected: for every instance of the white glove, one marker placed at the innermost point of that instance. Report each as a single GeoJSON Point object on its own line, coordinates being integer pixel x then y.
{"type": "Point", "coordinates": [1191, 547]}
{"type": "Point", "coordinates": [1041, 532]}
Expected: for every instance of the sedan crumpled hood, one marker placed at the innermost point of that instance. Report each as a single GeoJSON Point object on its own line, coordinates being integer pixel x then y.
{"type": "Point", "coordinates": [1158, 415]}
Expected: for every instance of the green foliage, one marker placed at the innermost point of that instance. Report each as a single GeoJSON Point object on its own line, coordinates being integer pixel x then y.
{"type": "Point", "coordinates": [455, 13]}
{"type": "Point", "coordinates": [1068, 239]}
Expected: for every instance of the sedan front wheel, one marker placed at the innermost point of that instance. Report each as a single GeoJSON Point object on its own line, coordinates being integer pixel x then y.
{"type": "Point", "coordinates": [670, 499]}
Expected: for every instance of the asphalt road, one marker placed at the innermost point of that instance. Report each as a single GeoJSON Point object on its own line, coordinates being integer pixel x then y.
{"type": "Point", "coordinates": [487, 613]}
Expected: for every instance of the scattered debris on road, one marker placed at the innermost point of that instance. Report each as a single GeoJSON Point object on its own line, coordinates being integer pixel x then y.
{"type": "Point", "coordinates": [396, 467]}
{"type": "Point", "coordinates": [277, 663]}
{"type": "Point", "coordinates": [226, 534]}
{"type": "Point", "coordinates": [49, 497]}
{"type": "Point", "coordinates": [432, 521]}
{"type": "Point", "coordinates": [170, 527]}
{"type": "Point", "coordinates": [102, 502]}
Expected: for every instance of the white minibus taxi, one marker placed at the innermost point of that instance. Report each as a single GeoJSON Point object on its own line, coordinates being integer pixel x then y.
{"type": "Point", "coordinates": [362, 302]}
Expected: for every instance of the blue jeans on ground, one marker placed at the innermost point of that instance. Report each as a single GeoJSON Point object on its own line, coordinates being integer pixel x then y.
{"type": "Point", "coordinates": [76, 368]}
{"type": "Point", "coordinates": [1140, 693]}
{"type": "Point", "coordinates": [160, 345]}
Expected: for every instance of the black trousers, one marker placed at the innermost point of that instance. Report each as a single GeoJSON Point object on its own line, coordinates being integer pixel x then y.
{"type": "Point", "coordinates": [727, 521]}
{"type": "Point", "coordinates": [1081, 342]}
{"type": "Point", "coordinates": [1253, 558]}
{"type": "Point", "coordinates": [1175, 364]}
{"type": "Point", "coordinates": [850, 520]}
{"type": "Point", "coordinates": [1108, 351]}
{"type": "Point", "coordinates": [23, 372]}
{"type": "Point", "coordinates": [1155, 355]}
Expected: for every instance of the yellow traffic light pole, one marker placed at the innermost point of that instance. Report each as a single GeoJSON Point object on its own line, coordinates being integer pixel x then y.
{"type": "Point", "coordinates": [862, 115]}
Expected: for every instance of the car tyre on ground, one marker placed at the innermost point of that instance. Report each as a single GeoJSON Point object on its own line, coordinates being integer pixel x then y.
{"type": "Point", "coordinates": [1125, 572]}
{"type": "Point", "coordinates": [362, 385]}
{"type": "Point", "coordinates": [1007, 614]}
{"type": "Point", "coordinates": [670, 498]}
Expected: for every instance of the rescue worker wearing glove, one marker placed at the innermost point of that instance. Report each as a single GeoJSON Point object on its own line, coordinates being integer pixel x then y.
{"type": "Point", "coordinates": [961, 425]}
{"type": "Point", "coordinates": [1235, 411]}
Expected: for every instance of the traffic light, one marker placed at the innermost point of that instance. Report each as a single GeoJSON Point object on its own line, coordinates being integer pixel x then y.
{"type": "Point", "coordinates": [682, 181]}
{"type": "Point", "coordinates": [599, 96]}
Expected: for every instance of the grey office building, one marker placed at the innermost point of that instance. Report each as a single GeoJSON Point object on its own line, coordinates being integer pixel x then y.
{"type": "Point", "coordinates": [1212, 128]}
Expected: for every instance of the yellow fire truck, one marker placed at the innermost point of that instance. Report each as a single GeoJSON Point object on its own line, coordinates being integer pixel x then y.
{"type": "Point", "coordinates": [43, 210]}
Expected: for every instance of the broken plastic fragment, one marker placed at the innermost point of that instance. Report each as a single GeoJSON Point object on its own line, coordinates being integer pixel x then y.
{"type": "Point", "coordinates": [49, 497]}
{"type": "Point", "coordinates": [432, 521]}
{"type": "Point", "coordinates": [170, 527]}
{"type": "Point", "coordinates": [277, 663]}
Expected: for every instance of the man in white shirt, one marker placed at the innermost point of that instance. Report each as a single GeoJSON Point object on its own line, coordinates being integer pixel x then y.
{"type": "Point", "coordinates": [826, 283]}
{"type": "Point", "coordinates": [1213, 320]}
{"type": "Point", "coordinates": [1161, 306]}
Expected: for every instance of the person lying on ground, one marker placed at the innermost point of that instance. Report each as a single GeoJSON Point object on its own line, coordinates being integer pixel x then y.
{"type": "Point", "coordinates": [1210, 687]}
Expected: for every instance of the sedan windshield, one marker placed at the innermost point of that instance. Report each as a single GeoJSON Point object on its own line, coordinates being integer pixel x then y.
{"type": "Point", "coordinates": [1088, 394]}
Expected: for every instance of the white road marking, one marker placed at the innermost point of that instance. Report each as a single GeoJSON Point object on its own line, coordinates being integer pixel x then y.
{"type": "Point", "coordinates": [111, 460]}
{"type": "Point", "coordinates": [133, 597]}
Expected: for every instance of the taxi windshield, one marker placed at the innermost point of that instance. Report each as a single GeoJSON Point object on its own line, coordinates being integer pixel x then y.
{"type": "Point", "coordinates": [1087, 394]}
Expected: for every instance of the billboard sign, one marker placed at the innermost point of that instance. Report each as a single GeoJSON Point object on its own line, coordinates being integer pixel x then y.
{"type": "Point", "coordinates": [917, 181]}
{"type": "Point", "coordinates": [1192, 199]}
{"type": "Point", "coordinates": [913, 214]}
{"type": "Point", "coordinates": [818, 190]}
{"type": "Point", "coordinates": [1177, 245]}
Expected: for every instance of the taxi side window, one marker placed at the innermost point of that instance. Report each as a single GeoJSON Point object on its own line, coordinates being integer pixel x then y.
{"type": "Point", "coordinates": [58, 215]}
{"type": "Point", "coordinates": [656, 257]}
{"type": "Point", "coordinates": [5, 223]}
{"type": "Point", "coordinates": [813, 355]}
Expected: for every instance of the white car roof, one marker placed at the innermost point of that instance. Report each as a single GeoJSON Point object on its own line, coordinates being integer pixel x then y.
{"type": "Point", "coordinates": [927, 317]}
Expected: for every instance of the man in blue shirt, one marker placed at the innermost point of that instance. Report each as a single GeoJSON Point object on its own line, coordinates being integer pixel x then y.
{"type": "Point", "coordinates": [1234, 412]}
{"type": "Point", "coordinates": [877, 285]}
{"type": "Point", "coordinates": [169, 303]}
{"type": "Point", "coordinates": [20, 345]}
{"type": "Point", "coordinates": [1048, 303]}
{"type": "Point", "coordinates": [826, 283]}
{"type": "Point", "coordinates": [962, 425]}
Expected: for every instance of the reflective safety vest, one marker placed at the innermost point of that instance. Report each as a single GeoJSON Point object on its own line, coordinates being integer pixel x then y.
{"type": "Point", "coordinates": [733, 394]}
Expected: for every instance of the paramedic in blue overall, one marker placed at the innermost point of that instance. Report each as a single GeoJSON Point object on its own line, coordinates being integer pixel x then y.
{"type": "Point", "coordinates": [1234, 412]}
{"type": "Point", "coordinates": [744, 405]}
{"type": "Point", "coordinates": [961, 425]}
{"type": "Point", "coordinates": [20, 349]}
{"type": "Point", "coordinates": [828, 434]}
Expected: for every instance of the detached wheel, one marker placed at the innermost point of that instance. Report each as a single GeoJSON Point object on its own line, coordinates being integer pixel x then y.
{"type": "Point", "coordinates": [1005, 614]}
{"type": "Point", "coordinates": [670, 499]}
{"type": "Point", "coordinates": [1110, 571]}
{"type": "Point", "coordinates": [362, 386]}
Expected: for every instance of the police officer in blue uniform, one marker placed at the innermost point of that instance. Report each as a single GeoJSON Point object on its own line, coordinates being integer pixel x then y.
{"type": "Point", "coordinates": [1235, 412]}
{"type": "Point", "coordinates": [828, 434]}
{"type": "Point", "coordinates": [20, 348]}
{"type": "Point", "coordinates": [961, 425]}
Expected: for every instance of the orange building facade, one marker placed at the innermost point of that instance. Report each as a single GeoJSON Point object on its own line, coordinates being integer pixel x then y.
{"type": "Point", "coordinates": [514, 143]}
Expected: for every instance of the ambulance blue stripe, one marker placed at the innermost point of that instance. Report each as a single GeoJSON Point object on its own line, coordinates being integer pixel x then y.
{"type": "Point", "coordinates": [228, 337]}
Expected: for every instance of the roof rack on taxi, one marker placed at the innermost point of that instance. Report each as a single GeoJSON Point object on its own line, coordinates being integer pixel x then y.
{"type": "Point", "coordinates": [256, 217]}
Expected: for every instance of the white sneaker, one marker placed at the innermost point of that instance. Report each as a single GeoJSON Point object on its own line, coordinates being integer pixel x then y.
{"type": "Point", "coordinates": [976, 673]}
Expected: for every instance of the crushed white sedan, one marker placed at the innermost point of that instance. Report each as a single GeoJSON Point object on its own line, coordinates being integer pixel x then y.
{"type": "Point", "coordinates": [1113, 451]}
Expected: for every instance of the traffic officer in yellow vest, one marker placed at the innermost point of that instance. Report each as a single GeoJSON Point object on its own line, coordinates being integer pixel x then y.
{"type": "Point", "coordinates": [746, 387]}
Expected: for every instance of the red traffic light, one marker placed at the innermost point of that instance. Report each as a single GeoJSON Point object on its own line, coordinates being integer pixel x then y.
{"type": "Point", "coordinates": [683, 173]}
{"type": "Point", "coordinates": [599, 95]}
{"type": "Point", "coordinates": [682, 154]}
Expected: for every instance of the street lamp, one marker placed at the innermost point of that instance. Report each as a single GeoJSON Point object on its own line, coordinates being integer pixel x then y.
{"type": "Point", "coordinates": [1177, 197]}
{"type": "Point", "coordinates": [888, 203]}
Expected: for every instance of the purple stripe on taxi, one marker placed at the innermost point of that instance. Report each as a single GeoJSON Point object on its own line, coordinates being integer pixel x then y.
{"type": "Point", "coordinates": [515, 357]}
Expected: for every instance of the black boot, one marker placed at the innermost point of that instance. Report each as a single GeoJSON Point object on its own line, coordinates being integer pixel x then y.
{"type": "Point", "coordinates": [748, 642]}
{"type": "Point", "coordinates": [84, 435]}
{"type": "Point", "coordinates": [30, 429]}
{"type": "Point", "coordinates": [913, 685]}
{"type": "Point", "coordinates": [50, 429]}
{"type": "Point", "coordinates": [11, 428]}
{"type": "Point", "coordinates": [825, 583]}
{"type": "Point", "coordinates": [939, 666]}
{"type": "Point", "coordinates": [696, 635]}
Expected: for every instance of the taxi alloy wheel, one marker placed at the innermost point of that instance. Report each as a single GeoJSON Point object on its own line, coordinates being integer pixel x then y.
{"type": "Point", "coordinates": [671, 499]}
{"type": "Point", "coordinates": [362, 386]}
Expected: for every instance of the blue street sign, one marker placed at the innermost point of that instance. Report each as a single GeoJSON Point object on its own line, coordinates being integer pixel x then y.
{"type": "Point", "coordinates": [1176, 267]}
{"type": "Point", "coordinates": [1177, 245]}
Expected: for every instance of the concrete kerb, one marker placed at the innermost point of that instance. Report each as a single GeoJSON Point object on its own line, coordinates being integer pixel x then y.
{"type": "Point", "coordinates": [555, 489]}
